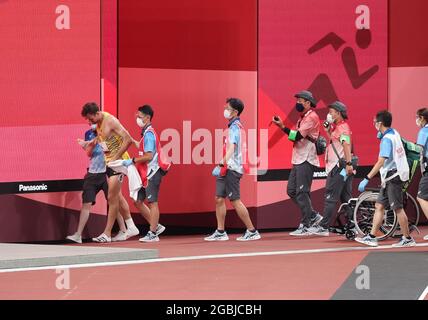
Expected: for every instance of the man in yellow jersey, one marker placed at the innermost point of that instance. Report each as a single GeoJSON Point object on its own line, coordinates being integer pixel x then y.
{"type": "Point", "coordinates": [114, 140]}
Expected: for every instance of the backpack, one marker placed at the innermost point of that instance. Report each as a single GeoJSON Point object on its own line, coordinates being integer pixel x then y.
{"type": "Point", "coordinates": [412, 151]}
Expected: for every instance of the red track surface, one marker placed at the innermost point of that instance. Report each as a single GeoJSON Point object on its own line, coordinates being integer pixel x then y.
{"type": "Point", "coordinates": [294, 276]}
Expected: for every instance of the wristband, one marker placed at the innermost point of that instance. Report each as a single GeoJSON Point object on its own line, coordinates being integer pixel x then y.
{"type": "Point", "coordinates": [292, 136]}
{"type": "Point", "coordinates": [345, 138]}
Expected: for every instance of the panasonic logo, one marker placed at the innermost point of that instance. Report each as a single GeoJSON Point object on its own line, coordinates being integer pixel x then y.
{"type": "Point", "coordinates": [39, 187]}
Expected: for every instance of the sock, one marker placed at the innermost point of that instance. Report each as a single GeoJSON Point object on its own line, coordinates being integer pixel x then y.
{"type": "Point", "coordinates": [252, 231]}
{"type": "Point", "coordinates": [220, 231]}
{"type": "Point", "coordinates": [130, 223]}
{"type": "Point", "coordinates": [409, 238]}
{"type": "Point", "coordinates": [372, 236]}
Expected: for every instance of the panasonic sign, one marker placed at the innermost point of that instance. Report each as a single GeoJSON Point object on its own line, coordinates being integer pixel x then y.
{"type": "Point", "coordinates": [30, 188]}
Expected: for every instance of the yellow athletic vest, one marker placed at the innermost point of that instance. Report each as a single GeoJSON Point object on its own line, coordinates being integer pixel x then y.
{"type": "Point", "coordinates": [113, 143]}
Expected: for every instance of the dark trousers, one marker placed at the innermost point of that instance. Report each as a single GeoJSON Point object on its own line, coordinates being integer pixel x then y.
{"type": "Point", "coordinates": [336, 189]}
{"type": "Point", "coordinates": [299, 188]}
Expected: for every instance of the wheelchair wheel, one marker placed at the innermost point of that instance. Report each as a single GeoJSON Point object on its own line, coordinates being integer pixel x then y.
{"type": "Point", "coordinates": [350, 235]}
{"type": "Point", "coordinates": [364, 212]}
{"type": "Point", "coordinates": [411, 208]}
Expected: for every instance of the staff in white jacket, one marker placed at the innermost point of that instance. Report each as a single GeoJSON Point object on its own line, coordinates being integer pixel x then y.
{"type": "Point", "coordinates": [394, 171]}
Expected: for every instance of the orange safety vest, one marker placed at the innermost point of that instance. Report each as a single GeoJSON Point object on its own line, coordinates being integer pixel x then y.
{"type": "Point", "coordinates": [162, 162]}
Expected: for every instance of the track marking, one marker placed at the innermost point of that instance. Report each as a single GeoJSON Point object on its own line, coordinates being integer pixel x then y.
{"type": "Point", "coordinates": [204, 257]}
{"type": "Point", "coordinates": [424, 294]}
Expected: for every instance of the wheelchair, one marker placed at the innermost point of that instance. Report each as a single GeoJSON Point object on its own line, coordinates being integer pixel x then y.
{"type": "Point", "coordinates": [363, 209]}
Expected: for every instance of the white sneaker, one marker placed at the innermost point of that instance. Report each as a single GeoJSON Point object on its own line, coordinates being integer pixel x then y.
{"type": "Point", "coordinates": [75, 238]}
{"type": "Point", "coordinates": [150, 237]}
{"type": "Point", "coordinates": [301, 231]}
{"type": "Point", "coordinates": [319, 231]}
{"type": "Point", "coordinates": [217, 236]}
{"type": "Point", "coordinates": [248, 236]}
{"type": "Point", "coordinates": [426, 238]}
{"type": "Point", "coordinates": [404, 242]}
{"type": "Point", "coordinates": [367, 240]}
{"type": "Point", "coordinates": [121, 236]}
{"type": "Point", "coordinates": [102, 238]}
{"type": "Point", "coordinates": [159, 229]}
{"type": "Point", "coordinates": [316, 220]}
{"type": "Point", "coordinates": [132, 232]}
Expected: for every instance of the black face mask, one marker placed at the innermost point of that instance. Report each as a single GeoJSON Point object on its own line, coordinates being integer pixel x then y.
{"type": "Point", "coordinates": [299, 107]}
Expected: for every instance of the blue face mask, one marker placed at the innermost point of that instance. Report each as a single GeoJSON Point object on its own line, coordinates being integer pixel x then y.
{"type": "Point", "coordinates": [299, 107]}
{"type": "Point", "coordinates": [94, 126]}
{"type": "Point", "coordinates": [379, 135]}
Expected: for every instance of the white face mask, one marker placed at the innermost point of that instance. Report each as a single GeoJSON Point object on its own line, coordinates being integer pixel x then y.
{"type": "Point", "coordinates": [418, 122]}
{"type": "Point", "coordinates": [140, 123]}
{"type": "Point", "coordinates": [94, 126]}
{"type": "Point", "coordinates": [330, 118]}
{"type": "Point", "coordinates": [227, 114]}
{"type": "Point", "coordinates": [377, 126]}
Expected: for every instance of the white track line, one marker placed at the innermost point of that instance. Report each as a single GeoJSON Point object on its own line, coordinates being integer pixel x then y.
{"type": "Point", "coordinates": [205, 257]}
{"type": "Point", "coordinates": [424, 294]}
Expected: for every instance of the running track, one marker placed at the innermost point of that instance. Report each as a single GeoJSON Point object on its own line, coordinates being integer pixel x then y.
{"type": "Point", "coordinates": [277, 267]}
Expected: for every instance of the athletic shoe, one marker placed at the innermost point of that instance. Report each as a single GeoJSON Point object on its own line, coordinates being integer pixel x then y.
{"type": "Point", "coordinates": [217, 236]}
{"type": "Point", "coordinates": [316, 220]}
{"type": "Point", "coordinates": [301, 231]}
{"type": "Point", "coordinates": [298, 228]}
{"type": "Point", "coordinates": [404, 242]}
{"type": "Point", "coordinates": [121, 236]}
{"type": "Point", "coordinates": [318, 231]}
{"type": "Point", "coordinates": [150, 237]}
{"type": "Point", "coordinates": [248, 236]}
{"type": "Point", "coordinates": [75, 238]}
{"type": "Point", "coordinates": [367, 240]}
{"type": "Point", "coordinates": [132, 232]}
{"type": "Point", "coordinates": [159, 229]}
{"type": "Point", "coordinates": [426, 238]}
{"type": "Point", "coordinates": [102, 238]}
